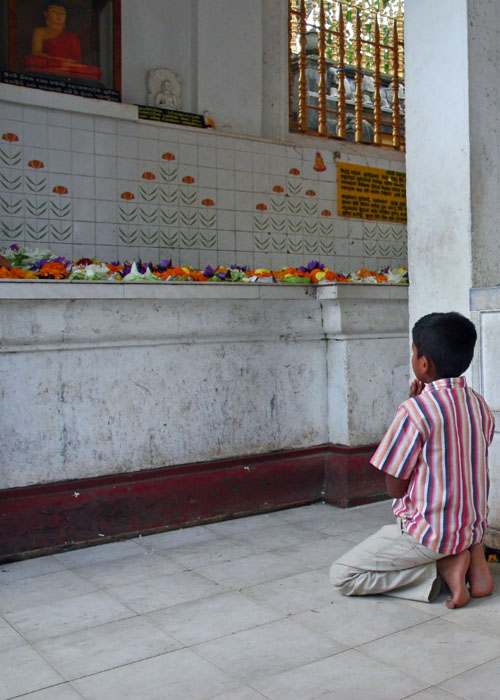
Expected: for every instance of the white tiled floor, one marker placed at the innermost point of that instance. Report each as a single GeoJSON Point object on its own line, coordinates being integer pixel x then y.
{"type": "Point", "coordinates": [238, 610]}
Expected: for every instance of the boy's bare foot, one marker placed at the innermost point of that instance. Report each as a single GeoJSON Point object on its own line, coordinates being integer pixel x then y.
{"type": "Point", "coordinates": [453, 569]}
{"type": "Point", "coordinates": [478, 575]}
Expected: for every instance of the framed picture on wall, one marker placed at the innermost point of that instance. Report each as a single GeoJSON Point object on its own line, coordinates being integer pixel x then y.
{"type": "Point", "coordinates": [71, 46]}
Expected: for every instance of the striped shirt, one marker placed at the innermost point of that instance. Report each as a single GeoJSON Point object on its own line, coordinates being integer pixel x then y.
{"type": "Point", "coordinates": [439, 440]}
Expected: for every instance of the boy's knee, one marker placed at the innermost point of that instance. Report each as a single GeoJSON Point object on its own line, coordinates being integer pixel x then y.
{"type": "Point", "coordinates": [340, 577]}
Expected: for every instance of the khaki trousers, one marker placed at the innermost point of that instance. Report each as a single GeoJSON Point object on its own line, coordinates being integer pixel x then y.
{"type": "Point", "coordinates": [389, 562]}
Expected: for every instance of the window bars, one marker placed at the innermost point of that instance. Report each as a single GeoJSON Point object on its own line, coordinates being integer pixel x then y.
{"type": "Point", "coordinates": [346, 70]}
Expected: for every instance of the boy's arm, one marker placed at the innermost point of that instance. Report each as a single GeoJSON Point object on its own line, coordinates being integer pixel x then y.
{"type": "Point", "coordinates": [396, 488]}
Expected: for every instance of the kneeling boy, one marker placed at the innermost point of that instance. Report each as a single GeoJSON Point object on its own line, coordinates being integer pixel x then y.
{"type": "Point", "coordinates": [435, 457]}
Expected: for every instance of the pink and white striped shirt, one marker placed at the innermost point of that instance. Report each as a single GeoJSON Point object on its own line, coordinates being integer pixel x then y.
{"type": "Point", "coordinates": [439, 440]}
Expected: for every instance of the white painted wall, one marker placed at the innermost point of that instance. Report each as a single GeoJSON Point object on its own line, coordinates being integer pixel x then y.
{"type": "Point", "coordinates": [111, 378]}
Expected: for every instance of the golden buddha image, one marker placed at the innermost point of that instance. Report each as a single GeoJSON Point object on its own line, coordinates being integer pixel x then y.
{"type": "Point", "coordinates": [56, 50]}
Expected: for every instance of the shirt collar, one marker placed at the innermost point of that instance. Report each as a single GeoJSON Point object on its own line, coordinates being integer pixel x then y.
{"type": "Point", "coordinates": [448, 383]}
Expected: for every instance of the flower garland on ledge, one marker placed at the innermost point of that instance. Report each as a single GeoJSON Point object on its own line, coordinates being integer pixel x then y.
{"type": "Point", "coordinates": [19, 263]}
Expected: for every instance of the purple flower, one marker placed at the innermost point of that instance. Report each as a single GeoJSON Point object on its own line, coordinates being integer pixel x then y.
{"type": "Point", "coordinates": [314, 265]}
{"type": "Point", "coordinates": [14, 246]}
{"type": "Point", "coordinates": [242, 268]}
{"type": "Point", "coordinates": [209, 271]}
{"type": "Point", "coordinates": [165, 264]}
{"type": "Point", "coordinates": [38, 264]}
{"type": "Point", "coordinates": [221, 275]}
{"type": "Point", "coordinates": [303, 269]}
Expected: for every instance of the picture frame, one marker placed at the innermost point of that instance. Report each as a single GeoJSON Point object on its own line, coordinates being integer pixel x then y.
{"type": "Point", "coordinates": [93, 26]}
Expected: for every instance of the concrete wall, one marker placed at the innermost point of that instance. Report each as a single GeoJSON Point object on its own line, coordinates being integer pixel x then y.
{"type": "Point", "coordinates": [102, 378]}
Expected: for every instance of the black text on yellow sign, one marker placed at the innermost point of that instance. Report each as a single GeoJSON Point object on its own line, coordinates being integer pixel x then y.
{"type": "Point", "coordinates": [371, 193]}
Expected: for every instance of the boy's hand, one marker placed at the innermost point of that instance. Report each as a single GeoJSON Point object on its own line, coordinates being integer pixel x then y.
{"type": "Point", "coordinates": [416, 388]}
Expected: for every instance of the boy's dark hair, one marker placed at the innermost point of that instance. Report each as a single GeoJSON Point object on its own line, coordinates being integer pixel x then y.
{"type": "Point", "coordinates": [447, 339]}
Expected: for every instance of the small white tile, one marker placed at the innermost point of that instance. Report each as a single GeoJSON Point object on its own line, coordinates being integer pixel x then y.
{"type": "Point", "coordinates": [126, 168]}
{"type": "Point", "coordinates": [105, 144]}
{"type": "Point", "coordinates": [59, 138]}
{"type": "Point", "coordinates": [60, 162]}
{"type": "Point", "coordinates": [23, 671]}
{"type": "Point", "coordinates": [105, 212]}
{"type": "Point", "coordinates": [82, 141]}
{"type": "Point", "coordinates": [82, 164]}
{"type": "Point", "coordinates": [179, 675]}
{"type": "Point", "coordinates": [207, 156]}
{"type": "Point", "coordinates": [100, 553]}
{"type": "Point", "coordinates": [147, 149]}
{"type": "Point", "coordinates": [105, 125]}
{"type": "Point", "coordinates": [249, 570]}
{"type": "Point", "coordinates": [64, 691]}
{"type": "Point", "coordinates": [126, 146]}
{"type": "Point", "coordinates": [9, 638]}
{"type": "Point", "coordinates": [188, 154]}
{"type": "Point", "coordinates": [82, 121]}
{"type": "Point", "coordinates": [35, 115]}
{"type": "Point", "coordinates": [105, 166]}
{"type": "Point", "coordinates": [146, 131]}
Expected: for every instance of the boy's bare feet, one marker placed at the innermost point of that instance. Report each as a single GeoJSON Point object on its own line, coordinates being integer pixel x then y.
{"type": "Point", "coordinates": [453, 569]}
{"type": "Point", "coordinates": [480, 580]}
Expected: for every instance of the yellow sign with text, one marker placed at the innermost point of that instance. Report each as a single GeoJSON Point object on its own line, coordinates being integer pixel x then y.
{"type": "Point", "coordinates": [371, 193]}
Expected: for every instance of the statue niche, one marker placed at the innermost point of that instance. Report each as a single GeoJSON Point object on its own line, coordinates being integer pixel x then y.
{"type": "Point", "coordinates": [164, 89]}
{"type": "Point", "coordinates": [56, 50]}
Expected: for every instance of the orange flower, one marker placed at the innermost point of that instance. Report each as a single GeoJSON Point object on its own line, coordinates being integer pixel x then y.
{"type": "Point", "coordinates": [381, 278]}
{"type": "Point", "coordinates": [310, 193]}
{"type": "Point", "coordinates": [208, 202]}
{"type": "Point", "coordinates": [60, 189]}
{"type": "Point", "coordinates": [168, 156]}
{"type": "Point", "coordinates": [15, 273]}
{"type": "Point", "coordinates": [148, 176]}
{"type": "Point", "coordinates": [294, 171]}
{"type": "Point", "coordinates": [55, 270]}
{"type": "Point", "coordinates": [261, 207]}
{"type": "Point", "coordinates": [188, 179]}
{"type": "Point", "coordinates": [363, 272]}
{"type": "Point", "coordinates": [114, 268]}
{"type": "Point", "coordinates": [10, 137]}
{"type": "Point", "coordinates": [278, 188]}
{"type": "Point", "coordinates": [36, 164]}
{"type": "Point", "coordinates": [127, 195]}
{"type": "Point", "coordinates": [326, 212]}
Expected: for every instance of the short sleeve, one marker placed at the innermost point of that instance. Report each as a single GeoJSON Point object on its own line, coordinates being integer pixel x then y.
{"type": "Point", "coordinates": [399, 450]}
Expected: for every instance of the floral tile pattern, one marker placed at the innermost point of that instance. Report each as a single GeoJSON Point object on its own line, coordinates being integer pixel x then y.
{"type": "Point", "coordinates": [259, 204]}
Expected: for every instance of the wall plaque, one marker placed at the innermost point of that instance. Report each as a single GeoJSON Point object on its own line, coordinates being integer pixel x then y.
{"type": "Point", "coordinates": [171, 116]}
{"type": "Point", "coordinates": [371, 193]}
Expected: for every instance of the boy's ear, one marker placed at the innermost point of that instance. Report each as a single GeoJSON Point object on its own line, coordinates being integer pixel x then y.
{"type": "Point", "coordinates": [428, 368]}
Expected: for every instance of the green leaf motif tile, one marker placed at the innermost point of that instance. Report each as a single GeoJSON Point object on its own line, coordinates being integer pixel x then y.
{"type": "Point", "coordinates": [310, 227]}
{"type": "Point", "coordinates": [310, 245]}
{"type": "Point", "coordinates": [11, 231]}
{"type": "Point", "coordinates": [369, 231]}
{"type": "Point", "coordinates": [325, 229]}
{"type": "Point", "coordinates": [149, 237]}
{"type": "Point", "coordinates": [11, 184]}
{"type": "Point", "coordinates": [189, 240]}
{"type": "Point", "coordinates": [326, 247]}
{"type": "Point", "coordinates": [11, 208]}
{"type": "Point", "coordinates": [10, 159]}
{"type": "Point", "coordinates": [188, 219]}
{"type": "Point", "coordinates": [208, 240]}
{"type": "Point", "coordinates": [278, 225]}
{"type": "Point", "coordinates": [399, 250]}
{"type": "Point", "coordinates": [262, 244]}
{"type": "Point", "coordinates": [148, 195]}
{"type": "Point", "coordinates": [37, 233]}
{"type": "Point", "coordinates": [35, 209]}
{"type": "Point", "coordinates": [295, 226]}
{"type": "Point", "coordinates": [60, 211]}
{"type": "Point", "coordinates": [148, 217]}
{"type": "Point", "coordinates": [168, 197]}
{"type": "Point", "coordinates": [310, 209]}
{"type": "Point", "coordinates": [188, 198]}
{"type": "Point", "coordinates": [127, 237]}
{"type": "Point", "coordinates": [127, 216]}
{"type": "Point", "coordinates": [261, 224]}
{"type": "Point", "coordinates": [294, 207]}
{"type": "Point", "coordinates": [35, 186]}
{"type": "Point", "coordinates": [170, 219]}
{"type": "Point", "coordinates": [207, 220]}
{"type": "Point", "coordinates": [169, 239]}
{"type": "Point", "coordinates": [168, 175]}
{"type": "Point", "coordinates": [400, 235]}
{"type": "Point", "coordinates": [277, 205]}
{"type": "Point", "coordinates": [295, 246]}
{"type": "Point", "coordinates": [370, 249]}
{"type": "Point", "coordinates": [60, 234]}
{"type": "Point", "coordinates": [384, 250]}
{"type": "Point", "coordinates": [384, 234]}
{"type": "Point", "coordinates": [278, 243]}
{"type": "Point", "coordinates": [294, 188]}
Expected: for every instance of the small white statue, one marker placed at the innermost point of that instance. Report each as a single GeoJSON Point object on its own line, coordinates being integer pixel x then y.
{"type": "Point", "coordinates": [164, 89]}
{"type": "Point", "coordinates": [368, 90]}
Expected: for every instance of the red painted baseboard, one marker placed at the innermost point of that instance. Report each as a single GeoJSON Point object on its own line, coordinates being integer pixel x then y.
{"type": "Point", "coordinates": [65, 515]}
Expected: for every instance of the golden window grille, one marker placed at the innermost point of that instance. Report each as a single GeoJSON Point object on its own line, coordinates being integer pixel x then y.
{"type": "Point", "coordinates": [346, 70]}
